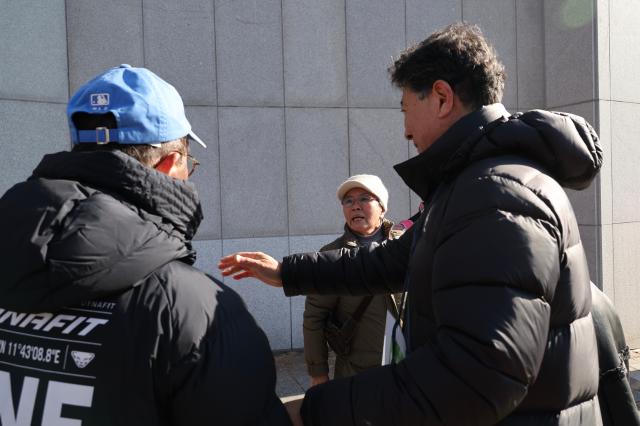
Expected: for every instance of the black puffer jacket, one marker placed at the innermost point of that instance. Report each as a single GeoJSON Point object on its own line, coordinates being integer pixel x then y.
{"type": "Point", "coordinates": [102, 317]}
{"type": "Point", "coordinates": [499, 302]}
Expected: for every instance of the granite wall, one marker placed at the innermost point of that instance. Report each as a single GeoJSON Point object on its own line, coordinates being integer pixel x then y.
{"type": "Point", "coordinates": [292, 97]}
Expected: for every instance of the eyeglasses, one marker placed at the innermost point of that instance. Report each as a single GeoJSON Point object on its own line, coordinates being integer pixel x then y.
{"type": "Point", "coordinates": [363, 199]}
{"type": "Point", "coordinates": [192, 163]}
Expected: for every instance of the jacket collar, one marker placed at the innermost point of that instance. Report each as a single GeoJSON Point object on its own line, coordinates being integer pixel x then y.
{"type": "Point", "coordinates": [349, 239]}
{"type": "Point", "coordinates": [424, 171]}
{"type": "Point", "coordinates": [174, 201]}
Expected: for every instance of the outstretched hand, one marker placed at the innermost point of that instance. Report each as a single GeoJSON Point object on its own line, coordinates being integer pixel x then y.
{"type": "Point", "coordinates": [252, 264]}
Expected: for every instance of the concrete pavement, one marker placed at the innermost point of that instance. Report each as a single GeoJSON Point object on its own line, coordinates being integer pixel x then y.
{"type": "Point", "coordinates": [293, 378]}
{"type": "Point", "coordinates": [292, 373]}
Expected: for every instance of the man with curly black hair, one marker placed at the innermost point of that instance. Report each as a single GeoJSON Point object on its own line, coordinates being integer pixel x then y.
{"type": "Point", "coordinates": [496, 328]}
{"type": "Point", "coordinates": [458, 55]}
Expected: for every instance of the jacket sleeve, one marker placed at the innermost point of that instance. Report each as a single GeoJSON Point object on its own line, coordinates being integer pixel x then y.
{"type": "Point", "coordinates": [378, 269]}
{"type": "Point", "coordinates": [491, 268]}
{"type": "Point", "coordinates": [316, 311]}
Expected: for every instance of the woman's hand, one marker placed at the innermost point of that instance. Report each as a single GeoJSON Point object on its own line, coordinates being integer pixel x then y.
{"type": "Point", "coordinates": [318, 380]}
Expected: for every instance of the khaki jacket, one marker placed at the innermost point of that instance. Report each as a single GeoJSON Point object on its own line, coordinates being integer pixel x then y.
{"type": "Point", "coordinates": [366, 346]}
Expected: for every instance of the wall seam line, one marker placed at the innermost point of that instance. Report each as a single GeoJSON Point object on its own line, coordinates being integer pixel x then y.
{"type": "Point", "coordinates": [286, 162]}
{"type": "Point", "coordinates": [144, 52]}
{"type": "Point", "coordinates": [596, 115]}
{"type": "Point", "coordinates": [544, 54]}
{"type": "Point", "coordinates": [215, 71]}
{"type": "Point", "coordinates": [610, 135]}
{"type": "Point", "coordinates": [515, 21]}
{"type": "Point", "coordinates": [346, 63]}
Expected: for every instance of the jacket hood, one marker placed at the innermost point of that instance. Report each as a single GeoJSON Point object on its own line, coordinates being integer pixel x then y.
{"type": "Point", "coordinates": [90, 224]}
{"type": "Point", "coordinates": [565, 145]}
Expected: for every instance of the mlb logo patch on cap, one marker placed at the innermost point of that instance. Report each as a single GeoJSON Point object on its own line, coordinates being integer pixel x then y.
{"type": "Point", "coordinates": [99, 99]}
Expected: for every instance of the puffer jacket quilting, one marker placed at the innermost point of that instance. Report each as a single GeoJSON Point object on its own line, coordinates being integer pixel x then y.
{"type": "Point", "coordinates": [103, 318]}
{"type": "Point", "coordinates": [498, 317]}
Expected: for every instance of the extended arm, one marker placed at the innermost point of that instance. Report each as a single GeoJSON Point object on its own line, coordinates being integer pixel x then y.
{"type": "Point", "coordinates": [355, 272]}
{"type": "Point", "coordinates": [374, 270]}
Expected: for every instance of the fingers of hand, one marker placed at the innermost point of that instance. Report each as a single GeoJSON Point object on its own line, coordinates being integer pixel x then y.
{"type": "Point", "coordinates": [238, 273]}
{"type": "Point", "coordinates": [233, 263]}
{"type": "Point", "coordinates": [231, 270]}
{"type": "Point", "coordinates": [248, 255]}
{"type": "Point", "coordinates": [244, 274]}
{"type": "Point", "coordinates": [243, 264]}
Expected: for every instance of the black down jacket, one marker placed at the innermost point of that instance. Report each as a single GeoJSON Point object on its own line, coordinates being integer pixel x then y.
{"type": "Point", "coordinates": [498, 317]}
{"type": "Point", "coordinates": [104, 321]}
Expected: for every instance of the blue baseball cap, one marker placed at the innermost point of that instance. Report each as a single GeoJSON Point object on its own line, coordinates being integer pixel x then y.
{"type": "Point", "coordinates": [147, 109]}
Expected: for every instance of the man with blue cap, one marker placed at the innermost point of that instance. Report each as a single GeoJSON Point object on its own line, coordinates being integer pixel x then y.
{"type": "Point", "coordinates": [103, 318]}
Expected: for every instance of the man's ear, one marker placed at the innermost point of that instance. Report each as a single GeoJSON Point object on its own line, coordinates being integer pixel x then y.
{"type": "Point", "coordinates": [444, 95]}
{"type": "Point", "coordinates": [170, 165]}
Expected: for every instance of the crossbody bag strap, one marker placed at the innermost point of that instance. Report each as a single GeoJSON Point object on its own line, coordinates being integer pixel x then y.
{"type": "Point", "coordinates": [361, 308]}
